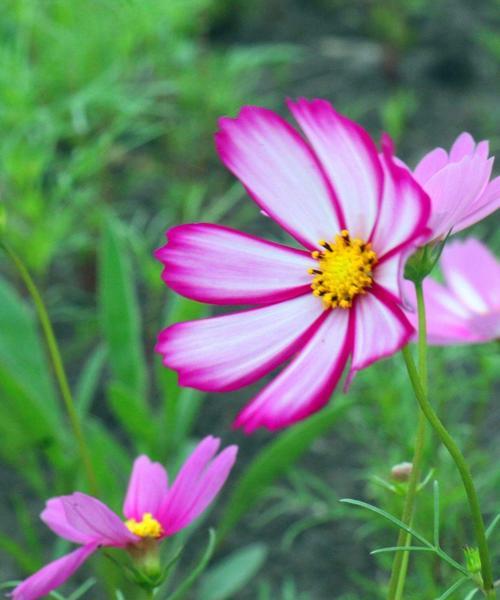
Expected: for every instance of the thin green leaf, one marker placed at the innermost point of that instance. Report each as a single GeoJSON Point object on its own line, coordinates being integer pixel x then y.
{"type": "Point", "coordinates": [492, 525]}
{"type": "Point", "coordinates": [389, 517]}
{"type": "Point", "coordinates": [88, 382]}
{"type": "Point", "coordinates": [197, 571]}
{"type": "Point", "coordinates": [453, 588]}
{"type": "Point", "coordinates": [471, 594]}
{"type": "Point", "coordinates": [274, 460]}
{"type": "Point", "coordinates": [436, 514]}
{"type": "Point", "coordinates": [229, 576]}
{"type": "Point", "coordinates": [402, 548]}
{"type": "Point", "coordinates": [86, 585]}
{"type": "Point", "coordinates": [119, 311]}
{"type": "Point", "coordinates": [132, 414]}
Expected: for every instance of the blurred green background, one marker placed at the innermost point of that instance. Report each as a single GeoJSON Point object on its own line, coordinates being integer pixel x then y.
{"type": "Point", "coordinates": [107, 112]}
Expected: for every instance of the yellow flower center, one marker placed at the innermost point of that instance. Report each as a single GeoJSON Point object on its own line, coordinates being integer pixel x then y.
{"type": "Point", "coordinates": [344, 270]}
{"type": "Point", "coordinates": [148, 527]}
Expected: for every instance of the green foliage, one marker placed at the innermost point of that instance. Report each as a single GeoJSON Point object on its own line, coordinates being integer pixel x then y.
{"type": "Point", "coordinates": [234, 572]}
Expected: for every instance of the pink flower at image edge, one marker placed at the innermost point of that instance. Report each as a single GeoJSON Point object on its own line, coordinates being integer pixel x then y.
{"type": "Point", "coordinates": [466, 309]}
{"type": "Point", "coordinates": [357, 215]}
{"type": "Point", "coordinates": [152, 509]}
{"type": "Point", "coordinates": [458, 185]}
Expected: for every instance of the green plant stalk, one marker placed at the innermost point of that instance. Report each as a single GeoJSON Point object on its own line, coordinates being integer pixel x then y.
{"type": "Point", "coordinates": [456, 454]}
{"type": "Point", "coordinates": [400, 562]}
{"type": "Point", "coordinates": [57, 364]}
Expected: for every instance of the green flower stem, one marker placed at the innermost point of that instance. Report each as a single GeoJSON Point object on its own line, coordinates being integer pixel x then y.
{"type": "Point", "coordinates": [400, 562]}
{"type": "Point", "coordinates": [57, 363]}
{"type": "Point", "coordinates": [470, 490]}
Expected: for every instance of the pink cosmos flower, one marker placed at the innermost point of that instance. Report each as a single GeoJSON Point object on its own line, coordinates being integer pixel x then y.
{"type": "Point", "coordinates": [458, 185]}
{"type": "Point", "coordinates": [354, 211]}
{"type": "Point", "coordinates": [151, 509]}
{"type": "Point", "coordinates": [467, 308]}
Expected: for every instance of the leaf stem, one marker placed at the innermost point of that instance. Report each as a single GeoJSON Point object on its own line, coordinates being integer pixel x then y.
{"type": "Point", "coordinates": [57, 364]}
{"type": "Point", "coordinates": [400, 562]}
{"type": "Point", "coordinates": [456, 454]}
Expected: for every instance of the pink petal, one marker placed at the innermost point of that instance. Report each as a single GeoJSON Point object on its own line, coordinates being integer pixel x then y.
{"type": "Point", "coordinates": [486, 204]}
{"type": "Point", "coordinates": [464, 145]}
{"type": "Point", "coordinates": [228, 352]}
{"type": "Point", "coordinates": [280, 172]}
{"type": "Point", "coordinates": [483, 149]}
{"type": "Point", "coordinates": [186, 481]}
{"type": "Point", "coordinates": [447, 319]}
{"type": "Point", "coordinates": [380, 329]}
{"type": "Point", "coordinates": [350, 160]}
{"type": "Point", "coordinates": [94, 519]}
{"type": "Point", "coordinates": [455, 190]}
{"type": "Point", "coordinates": [54, 516]}
{"type": "Point", "coordinates": [404, 210]}
{"type": "Point", "coordinates": [389, 274]}
{"type": "Point", "coordinates": [147, 489]}
{"type": "Point", "coordinates": [307, 383]}
{"type": "Point", "coordinates": [52, 575]}
{"type": "Point", "coordinates": [472, 273]}
{"type": "Point", "coordinates": [430, 164]}
{"type": "Point", "coordinates": [193, 499]}
{"type": "Point", "coordinates": [486, 326]}
{"type": "Point", "coordinates": [210, 263]}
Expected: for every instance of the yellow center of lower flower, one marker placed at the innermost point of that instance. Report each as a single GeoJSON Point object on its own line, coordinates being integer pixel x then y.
{"type": "Point", "coordinates": [344, 270]}
{"type": "Point", "coordinates": [148, 527]}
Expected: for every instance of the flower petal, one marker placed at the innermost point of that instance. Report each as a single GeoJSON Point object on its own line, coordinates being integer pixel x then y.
{"type": "Point", "coordinates": [447, 319]}
{"type": "Point", "coordinates": [198, 491]}
{"type": "Point", "coordinates": [404, 210]}
{"type": "Point", "coordinates": [380, 330]}
{"type": "Point", "coordinates": [389, 274]}
{"type": "Point", "coordinates": [215, 264]}
{"type": "Point", "coordinates": [486, 327]}
{"type": "Point", "coordinates": [55, 517]}
{"type": "Point", "coordinates": [472, 272]}
{"type": "Point", "coordinates": [430, 164]}
{"type": "Point", "coordinates": [464, 145]}
{"type": "Point", "coordinates": [53, 575]}
{"type": "Point", "coordinates": [94, 519]}
{"type": "Point", "coordinates": [486, 204]}
{"type": "Point", "coordinates": [227, 352]}
{"type": "Point", "coordinates": [307, 383]}
{"type": "Point", "coordinates": [454, 191]}
{"type": "Point", "coordinates": [186, 481]}
{"type": "Point", "coordinates": [280, 172]}
{"type": "Point", "coordinates": [350, 160]}
{"type": "Point", "coordinates": [147, 489]}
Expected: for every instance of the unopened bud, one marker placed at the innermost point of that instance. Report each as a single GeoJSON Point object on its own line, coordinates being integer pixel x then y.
{"type": "Point", "coordinates": [401, 471]}
{"type": "Point", "coordinates": [472, 560]}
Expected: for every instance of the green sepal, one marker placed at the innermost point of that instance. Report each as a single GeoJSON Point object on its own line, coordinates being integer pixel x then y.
{"type": "Point", "coordinates": [422, 262]}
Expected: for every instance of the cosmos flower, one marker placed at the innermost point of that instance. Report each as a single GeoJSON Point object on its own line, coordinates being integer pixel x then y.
{"type": "Point", "coordinates": [151, 509]}
{"type": "Point", "coordinates": [354, 211]}
{"type": "Point", "coordinates": [466, 309]}
{"type": "Point", "coordinates": [458, 185]}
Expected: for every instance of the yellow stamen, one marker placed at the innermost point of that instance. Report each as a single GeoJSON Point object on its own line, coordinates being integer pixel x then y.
{"type": "Point", "coordinates": [148, 527]}
{"type": "Point", "coordinates": [344, 270]}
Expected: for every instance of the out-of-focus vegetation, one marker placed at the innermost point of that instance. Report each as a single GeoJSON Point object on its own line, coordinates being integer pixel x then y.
{"type": "Point", "coordinates": [107, 110]}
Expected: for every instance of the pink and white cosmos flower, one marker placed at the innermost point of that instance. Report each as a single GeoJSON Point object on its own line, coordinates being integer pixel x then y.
{"type": "Point", "coordinates": [151, 509]}
{"type": "Point", "coordinates": [355, 212]}
{"type": "Point", "coordinates": [467, 308]}
{"type": "Point", "coordinates": [458, 185]}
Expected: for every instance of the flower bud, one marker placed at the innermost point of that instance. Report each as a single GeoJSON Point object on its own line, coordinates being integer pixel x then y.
{"type": "Point", "coordinates": [401, 471]}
